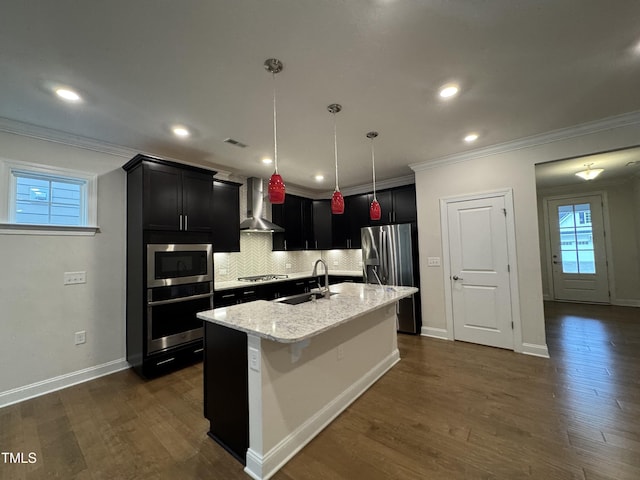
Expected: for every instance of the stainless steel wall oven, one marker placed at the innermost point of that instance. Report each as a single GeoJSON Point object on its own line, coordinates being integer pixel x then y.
{"type": "Point", "coordinates": [179, 285]}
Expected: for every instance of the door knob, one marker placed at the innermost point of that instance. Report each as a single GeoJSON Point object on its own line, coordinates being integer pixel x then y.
{"type": "Point", "coordinates": [455, 277]}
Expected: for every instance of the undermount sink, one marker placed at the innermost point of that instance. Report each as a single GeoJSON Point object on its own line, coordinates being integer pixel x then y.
{"type": "Point", "coordinates": [302, 298]}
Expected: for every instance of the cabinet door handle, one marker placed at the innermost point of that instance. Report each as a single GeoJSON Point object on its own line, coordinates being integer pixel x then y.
{"type": "Point", "coordinates": [180, 221]}
{"type": "Point", "coordinates": [186, 220]}
{"type": "Point", "coordinates": [249, 292]}
{"type": "Point", "coordinates": [316, 244]}
{"type": "Point", "coordinates": [165, 361]}
{"type": "Point", "coordinates": [230, 295]}
{"type": "Point", "coordinates": [285, 244]}
{"type": "Point", "coordinates": [198, 350]}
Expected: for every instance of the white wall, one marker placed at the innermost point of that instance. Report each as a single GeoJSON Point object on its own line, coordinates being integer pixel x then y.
{"type": "Point", "coordinates": [623, 210]}
{"type": "Point", "coordinates": [38, 314]}
{"type": "Point", "coordinates": [493, 169]}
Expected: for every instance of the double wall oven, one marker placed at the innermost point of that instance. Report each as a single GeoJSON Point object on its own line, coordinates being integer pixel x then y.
{"type": "Point", "coordinates": [179, 285]}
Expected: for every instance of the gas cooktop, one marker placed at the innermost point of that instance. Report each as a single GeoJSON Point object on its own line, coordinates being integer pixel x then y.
{"type": "Point", "coordinates": [262, 278]}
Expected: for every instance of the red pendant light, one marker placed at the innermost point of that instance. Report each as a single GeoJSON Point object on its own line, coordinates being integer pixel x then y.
{"type": "Point", "coordinates": [375, 212]}
{"type": "Point", "coordinates": [276, 184]}
{"type": "Point", "coordinates": [337, 200]}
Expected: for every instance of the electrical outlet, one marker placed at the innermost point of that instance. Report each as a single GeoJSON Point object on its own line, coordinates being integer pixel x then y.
{"type": "Point", "coordinates": [287, 265]}
{"type": "Point", "coordinates": [223, 271]}
{"type": "Point", "coordinates": [73, 278]}
{"type": "Point", "coordinates": [80, 337]}
{"type": "Point", "coordinates": [254, 359]}
{"type": "Point", "coordinates": [340, 352]}
{"type": "Point", "coordinates": [336, 263]}
{"type": "Point", "coordinates": [433, 261]}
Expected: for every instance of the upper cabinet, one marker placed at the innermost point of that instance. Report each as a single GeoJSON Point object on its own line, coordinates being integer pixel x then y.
{"type": "Point", "coordinates": [289, 216]}
{"type": "Point", "coordinates": [174, 197]}
{"type": "Point", "coordinates": [226, 215]}
{"type": "Point", "coordinates": [309, 224]}
{"type": "Point", "coordinates": [398, 205]}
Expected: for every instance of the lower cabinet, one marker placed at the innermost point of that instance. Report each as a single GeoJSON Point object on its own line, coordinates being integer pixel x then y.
{"type": "Point", "coordinates": [271, 291]}
{"type": "Point", "coordinates": [161, 363]}
{"type": "Point", "coordinates": [226, 389]}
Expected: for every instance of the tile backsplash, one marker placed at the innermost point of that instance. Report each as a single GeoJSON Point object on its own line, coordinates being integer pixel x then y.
{"type": "Point", "coordinates": [256, 258]}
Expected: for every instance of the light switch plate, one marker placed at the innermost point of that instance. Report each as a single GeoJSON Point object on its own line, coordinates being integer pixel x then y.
{"type": "Point", "coordinates": [433, 261]}
{"type": "Point", "coordinates": [72, 278]}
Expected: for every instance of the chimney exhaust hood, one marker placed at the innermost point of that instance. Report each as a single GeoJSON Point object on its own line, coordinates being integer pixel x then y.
{"type": "Point", "coordinates": [255, 206]}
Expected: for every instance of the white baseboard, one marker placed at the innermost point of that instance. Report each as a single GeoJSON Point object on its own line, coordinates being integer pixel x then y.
{"type": "Point", "coordinates": [433, 332]}
{"type": "Point", "coordinates": [263, 467]}
{"type": "Point", "coordinates": [62, 381]}
{"type": "Point", "coordinates": [535, 350]}
{"type": "Point", "coordinates": [621, 302]}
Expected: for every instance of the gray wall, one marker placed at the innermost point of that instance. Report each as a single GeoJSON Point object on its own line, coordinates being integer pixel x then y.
{"type": "Point", "coordinates": [39, 315]}
{"type": "Point", "coordinates": [494, 169]}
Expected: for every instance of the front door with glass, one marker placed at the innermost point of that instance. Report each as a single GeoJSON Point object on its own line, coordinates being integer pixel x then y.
{"type": "Point", "coordinates": [578, 253]}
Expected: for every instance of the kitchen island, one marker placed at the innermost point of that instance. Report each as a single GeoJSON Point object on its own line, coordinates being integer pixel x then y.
{"type": "Point", "coordinates": [277, 374]}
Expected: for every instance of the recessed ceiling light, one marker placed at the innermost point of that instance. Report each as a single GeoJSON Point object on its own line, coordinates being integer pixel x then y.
{"type": "Point", "coordinates": [448, 91]}
{"type": "Point", "coordinates": [180, 131]}
{"type": "Point", "coordinates": [319, 178]}
{"type": "Point", "coordinates": [470, 138]}
{"type": "Point", "coordinates": [267, 161]}
{"type": "Point", "coordinates": [68, 95]}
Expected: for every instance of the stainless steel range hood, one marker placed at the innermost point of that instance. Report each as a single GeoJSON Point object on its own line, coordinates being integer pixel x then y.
{"type": "Point", "coordinates": [255, 207]}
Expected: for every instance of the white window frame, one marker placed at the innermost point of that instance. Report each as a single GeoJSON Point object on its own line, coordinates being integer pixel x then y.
{"type": "Point", "coordinates": [7, 201]}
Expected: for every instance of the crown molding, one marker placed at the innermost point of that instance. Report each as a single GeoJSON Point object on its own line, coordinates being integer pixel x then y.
{"type": "Point", "coordinates": [368, 187]}
{"type": "Point", "coordinates": [63, 138]}
{"type": "Point", "coordinates": [609, 123]}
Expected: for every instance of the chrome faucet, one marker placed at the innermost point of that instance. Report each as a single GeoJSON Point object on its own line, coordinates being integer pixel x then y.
{"type": "Point", "coordinates": [325, 290]}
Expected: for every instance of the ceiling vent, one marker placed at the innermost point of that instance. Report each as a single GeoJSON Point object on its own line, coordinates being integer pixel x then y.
{"type": "Point", "coordinates": [235, 142]}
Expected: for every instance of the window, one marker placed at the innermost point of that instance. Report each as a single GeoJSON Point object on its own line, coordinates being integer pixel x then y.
{"type": "Point", "coordinates": [49, 199]}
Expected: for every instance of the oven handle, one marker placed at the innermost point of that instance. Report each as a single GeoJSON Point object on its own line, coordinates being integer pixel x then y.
{"type": "Point", "coordinates": [178, 300]}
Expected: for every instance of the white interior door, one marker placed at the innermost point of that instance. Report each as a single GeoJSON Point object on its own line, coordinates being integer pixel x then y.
{"type": "Point", "coordinates": [578, 253]}
{"type": "Point", "coordinates": [479, 266]}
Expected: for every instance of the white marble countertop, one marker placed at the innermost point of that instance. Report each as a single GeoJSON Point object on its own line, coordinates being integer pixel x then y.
{"type": "Point", "coordinates": [219, 286]}
{"type": "Point", "coordinates": [285, 323]}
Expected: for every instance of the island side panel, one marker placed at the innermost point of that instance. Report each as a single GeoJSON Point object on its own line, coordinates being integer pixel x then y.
{"type": "Point", "coordinates": [304, 386]}
{"type": "Point", "coordinates": [226, 403]}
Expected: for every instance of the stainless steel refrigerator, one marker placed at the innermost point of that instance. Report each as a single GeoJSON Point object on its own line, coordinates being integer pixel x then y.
{"type": "Point", "coordinates": [390, 257]}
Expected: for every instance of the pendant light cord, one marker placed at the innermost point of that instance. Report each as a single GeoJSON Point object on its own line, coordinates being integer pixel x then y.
{"type": "Point", "coordinates": [373, 162]}
{"type": "Point", "coordinates": [335, 148]}
{"type": "Point", "coordinates": [275, 126]}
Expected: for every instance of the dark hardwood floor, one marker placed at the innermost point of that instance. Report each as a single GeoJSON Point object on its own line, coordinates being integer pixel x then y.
{"type": "Point", "coordinates": [448, 410]}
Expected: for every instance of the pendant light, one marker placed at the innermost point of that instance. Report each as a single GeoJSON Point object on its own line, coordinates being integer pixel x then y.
{"type": "Point", "coordinates": [337, 200]}
{"type": "Point", "coordinates": [276, 184]}
{"type": "Point", "coordinates": [374, 209]}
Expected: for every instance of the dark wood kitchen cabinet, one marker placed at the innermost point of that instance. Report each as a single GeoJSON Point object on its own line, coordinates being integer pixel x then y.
{"type": "Point", "coordinates": [226, 216]}
{"type": "Point", "coordinates": [289, 216]}
{"type": "Point", "coordinates": [346, 227]}
{"type": "Point", "coordinates": [322, 239]}
{"type": "Point", "coordinates": [175, 197]}
{"type": "Point", "coordinates": [398, 205]}
{"type": "Point", "coordinates": [358, 217]}
{"type": "Point", "coordinates": [159, 192]}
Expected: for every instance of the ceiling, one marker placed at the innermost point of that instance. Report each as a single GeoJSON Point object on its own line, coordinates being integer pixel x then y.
{"type": "Point", "coordinates": [523, 67]}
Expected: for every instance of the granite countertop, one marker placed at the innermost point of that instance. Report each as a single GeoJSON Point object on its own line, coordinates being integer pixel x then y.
{"type": "Point", "coordinates": [219, 286]}
{"type": "Point", "coordinates": [285, 323]}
